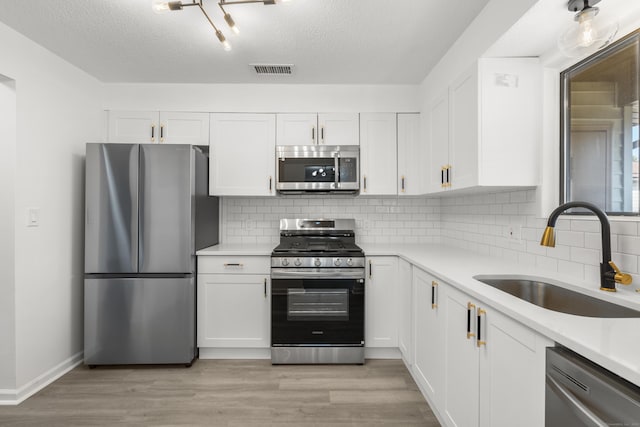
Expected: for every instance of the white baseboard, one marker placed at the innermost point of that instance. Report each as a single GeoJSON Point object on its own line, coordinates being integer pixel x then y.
{"type": "Point", "coordinates": [381, 353]}
{"type": "Point", "coordinates": [17, 396]}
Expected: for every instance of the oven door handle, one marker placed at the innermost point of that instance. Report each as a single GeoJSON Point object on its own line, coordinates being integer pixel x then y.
{"type": "Point", "coordinates": [325, 273]}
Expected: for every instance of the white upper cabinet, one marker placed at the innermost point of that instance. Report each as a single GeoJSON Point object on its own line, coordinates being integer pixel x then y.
{"type": "Point", "coordinates": [486, 130]}
{"type": "Point", "coordinates": [296, 129]}
{"type": "Point", "coordinates": [438, 159]}
{"type": "Point", "coordinates": [314, 129]}
{"type": "Point", "coordinates": [184, 128]}
{"type": "Point", "coordinates": [242, 154]}
{"type": "Point", "coordinates": [378, 154]}
{"type": "Point", "coordinates": [133, 126]}
{"type": "Point", "coordinates": [164, 127]}
{"type": "Point", "coordinates": [410, 158]}
{"type": "Point", "coordinates": [339, 128]}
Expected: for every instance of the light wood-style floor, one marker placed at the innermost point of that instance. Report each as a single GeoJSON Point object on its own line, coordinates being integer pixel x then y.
{"type": "Point", "coordinates": [229, 393]}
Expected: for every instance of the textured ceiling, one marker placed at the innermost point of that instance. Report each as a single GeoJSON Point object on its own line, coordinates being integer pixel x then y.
{"type": "Point", "coordinates": [328, 41]}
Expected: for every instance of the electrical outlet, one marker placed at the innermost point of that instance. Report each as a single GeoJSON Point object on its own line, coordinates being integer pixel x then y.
{"type": "Point", "coordinates": [514, 232]}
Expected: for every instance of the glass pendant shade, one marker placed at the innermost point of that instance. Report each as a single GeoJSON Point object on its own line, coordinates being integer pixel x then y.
{"type": "Point", "coordinates": [588, 36]}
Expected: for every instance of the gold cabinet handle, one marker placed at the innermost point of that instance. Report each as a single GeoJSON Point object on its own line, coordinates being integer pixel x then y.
{"type": "Point", "coordinates": [265, 287]}
{"type": "Point", "coordinates": [153, 132]}
{"type": "Point", "coordinates": [479, 341]}
{"type": "Point", "coordinates": [161, 133]}
{"type": "Point", "coordinates": [370, 270]}
{"type": "Point", "coordinates": [443, 183]}
{"type": "Point", "coordinates": [434, 299]}
{"type": "Point", "coordinates": [270, 185]}
{"type": "Point", "coordinates": [470, 307]}
{"type": "Point", "coordinates": [322, 134]}
{"type": "Point", "coordinates": [364, 180]}
{"type": "Point", "coordinates": [448, 176]}
{"type": "Point", "coordinates": [620, 277]}
{"type": "Point", "coordinates": [233, 264]}
{"type": "Point", "coordinates": [313, 134]}
{"type": "Point", "coordinates": [402, 183]}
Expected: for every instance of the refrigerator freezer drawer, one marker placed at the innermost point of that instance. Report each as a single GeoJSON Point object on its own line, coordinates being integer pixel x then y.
{"type": "Point", "coordinates": [139, 321]}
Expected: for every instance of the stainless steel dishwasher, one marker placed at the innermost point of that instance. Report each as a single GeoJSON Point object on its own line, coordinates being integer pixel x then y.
{"type": "Point", "coordinates": [580, 393]}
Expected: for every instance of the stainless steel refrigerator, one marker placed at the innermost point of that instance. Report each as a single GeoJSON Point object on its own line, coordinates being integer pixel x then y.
{"type": "Point", "coordinates": [147, 212]}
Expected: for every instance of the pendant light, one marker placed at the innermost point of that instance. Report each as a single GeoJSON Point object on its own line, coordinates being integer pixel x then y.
{"type": "Point", "coordinates": [162, 6]}
{"type": "Point", "coordinates": [590, 34]}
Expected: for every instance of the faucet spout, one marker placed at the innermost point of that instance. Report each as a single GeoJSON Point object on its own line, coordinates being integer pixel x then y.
{"type": "Point", "coordinates": [609, 272]}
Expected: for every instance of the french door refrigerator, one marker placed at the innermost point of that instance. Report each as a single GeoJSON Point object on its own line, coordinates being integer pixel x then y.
{"type": "Point", "coordinates": [147, 212]}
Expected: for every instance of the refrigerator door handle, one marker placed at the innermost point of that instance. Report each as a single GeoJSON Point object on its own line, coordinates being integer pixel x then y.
{"type": "Point", "coordinates": [134, 178]}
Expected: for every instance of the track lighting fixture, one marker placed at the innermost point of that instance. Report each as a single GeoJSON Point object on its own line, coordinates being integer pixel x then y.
{"type": "Point", "coordinates": [161, 6]}
{"type": "Point", "coordinates": [590, 34]}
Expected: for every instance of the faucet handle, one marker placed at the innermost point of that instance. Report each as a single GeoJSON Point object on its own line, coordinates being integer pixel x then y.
{"type": "Point", "coordinates": [620, 277]}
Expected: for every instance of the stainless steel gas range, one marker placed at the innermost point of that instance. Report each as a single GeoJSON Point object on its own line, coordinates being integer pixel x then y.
{"type": "Point", "coordinates": [317, 293]}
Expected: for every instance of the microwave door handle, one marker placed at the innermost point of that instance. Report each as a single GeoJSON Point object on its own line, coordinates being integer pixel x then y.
{"type": "Point", "coordinates": [336, 159]}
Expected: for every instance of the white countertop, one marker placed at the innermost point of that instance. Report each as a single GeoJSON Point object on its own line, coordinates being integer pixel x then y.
{"type": "Point", "coordinates": [237, 249]}
{"type": "Point", "coordinates": [611, 343]}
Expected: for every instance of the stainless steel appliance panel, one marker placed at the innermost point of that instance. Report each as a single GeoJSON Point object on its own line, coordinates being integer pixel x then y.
{"type": "Point", "coordinates": [580, 393]}
{"type": "Point", "coordinates": [111, 216]}
{"type": "Point", "coordinates": [167, 198]}
{"type": "Point", "coordinates": [317, 168]}
{"type": "Point", "coordinates": [135, 321]}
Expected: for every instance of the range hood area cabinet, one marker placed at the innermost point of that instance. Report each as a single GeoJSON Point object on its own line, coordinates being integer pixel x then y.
{"type": "Point", "coordinates": [317, 129]}
{"type": "Point", "coordinates": [158, 127]}
{"type": "Point", "coordinates": [484, 129]}
{"type": "Point", "coordinates": [242, 154]}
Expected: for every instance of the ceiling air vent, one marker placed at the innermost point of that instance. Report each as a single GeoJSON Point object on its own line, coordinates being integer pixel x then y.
{"type": "Point", "coordinates": [272, 69]}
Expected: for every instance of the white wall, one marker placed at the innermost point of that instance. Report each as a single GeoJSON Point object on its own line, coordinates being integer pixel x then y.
{"type": "Point", "coordinates": [262, 98]}
{"type": "Point", "coordinates": [58, 110]}
{"type": "Point", "coordinates": [7, 232]}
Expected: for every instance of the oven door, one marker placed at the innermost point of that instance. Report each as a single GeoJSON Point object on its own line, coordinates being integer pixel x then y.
{"type": "Point", "coordinates": [317, 310]}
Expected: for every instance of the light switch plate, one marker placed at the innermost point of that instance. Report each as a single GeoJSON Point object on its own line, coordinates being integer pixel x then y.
{"type": "Point", "coordinates": [33, 217]}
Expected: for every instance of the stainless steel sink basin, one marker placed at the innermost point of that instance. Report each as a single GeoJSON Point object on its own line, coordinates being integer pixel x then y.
{"type": "Point", "coordinates": [556, 298]}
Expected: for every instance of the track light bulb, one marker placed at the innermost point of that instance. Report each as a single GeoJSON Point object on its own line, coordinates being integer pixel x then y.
{"type": "Point", "coordinates": [231, 23]}
{"type": "Point", "coordinates": [223, 40]}
{"type": "Point", "coordinates": [160, 6]}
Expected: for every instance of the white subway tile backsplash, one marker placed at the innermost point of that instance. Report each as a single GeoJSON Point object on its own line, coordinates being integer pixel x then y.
{"type": "Point", "coordinates": [578, 239]}
{"type": "Point", "coordinates": [473, 222]}
{"type": "Point", "coordinates": [378, 220]}
{"type": "Point", "coordinates": [629, 245]}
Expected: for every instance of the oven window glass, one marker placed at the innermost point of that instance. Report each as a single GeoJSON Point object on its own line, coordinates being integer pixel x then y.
{"type": "Point", "coordinates": [317, 304]}
{"type": "Point", "coordinates": [315, 169]}
{"type": "Point", "coordinates": [348, 167]}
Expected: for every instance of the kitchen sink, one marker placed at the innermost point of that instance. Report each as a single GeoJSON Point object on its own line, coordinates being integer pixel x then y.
{"type": "Point", "coordinates": [556, 298]}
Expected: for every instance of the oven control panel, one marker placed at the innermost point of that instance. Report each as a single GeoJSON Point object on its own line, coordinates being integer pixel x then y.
{"type": "Point", "coordinates": [317, 262]}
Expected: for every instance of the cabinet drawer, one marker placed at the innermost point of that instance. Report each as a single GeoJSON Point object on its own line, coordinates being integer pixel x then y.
{"type": "Point", "coordinates": [234, 264]}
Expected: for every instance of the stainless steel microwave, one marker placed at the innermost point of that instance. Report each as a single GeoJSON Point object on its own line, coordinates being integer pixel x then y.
{"type": "Point", "coordinates": [318, 168]}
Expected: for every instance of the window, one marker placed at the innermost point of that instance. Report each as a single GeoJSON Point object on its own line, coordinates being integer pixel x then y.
{"type": "Point", "coordinates": [600, 156]}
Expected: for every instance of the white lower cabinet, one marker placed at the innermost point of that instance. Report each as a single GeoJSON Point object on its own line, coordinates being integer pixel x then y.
{"type": "Point", "coordinates": [405, 311]}
{"type": "Point", "coordinates": [429, 335]}
{"type": "Point", "coordinates": [234, 307]}
{"type": "Point", "coordinates": [381, 300]}
{"type": "Point", "coordinates": [494, 367]}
